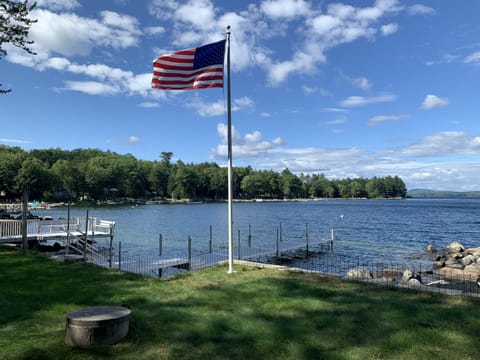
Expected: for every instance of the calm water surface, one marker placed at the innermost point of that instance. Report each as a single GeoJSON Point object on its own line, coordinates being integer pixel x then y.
{"type": "Point", "coordinates": [386, 229]}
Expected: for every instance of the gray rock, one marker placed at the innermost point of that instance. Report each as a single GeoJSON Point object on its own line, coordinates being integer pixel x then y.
{"type": "Point", "coordinates": [467, 260]}
{"type": "Point", "coordinates": [414, 282]}
{"type": "Point", "coordinates": [431, 249]}
{"type": "Point", "coordinates": [359, 274]}
{"type": "Point", "coordinates": [455, 266]}
{"type": "Point", "coordinates": [472, 268]}
{"type": "Point", "coordinates": [455, 247]}
{"type": "Point", "coordinates": [452, 260]}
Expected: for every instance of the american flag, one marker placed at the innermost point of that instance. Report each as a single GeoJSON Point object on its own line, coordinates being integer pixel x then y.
{"type": "Point", "coordinates": [190, 69]}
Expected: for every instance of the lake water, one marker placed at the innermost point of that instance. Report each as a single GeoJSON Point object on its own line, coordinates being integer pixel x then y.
{"type": "Point", "coordinates": [370, 229]}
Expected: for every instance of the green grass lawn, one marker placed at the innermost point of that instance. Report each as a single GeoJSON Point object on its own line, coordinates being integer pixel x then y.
{"type": "Point", "coordinates": [251, 314]}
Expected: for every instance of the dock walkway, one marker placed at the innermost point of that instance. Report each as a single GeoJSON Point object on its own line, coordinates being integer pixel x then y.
{"type": "Point", "coordinates": [49, 232]}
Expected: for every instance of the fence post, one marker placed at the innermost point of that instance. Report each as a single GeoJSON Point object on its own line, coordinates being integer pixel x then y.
{"type": "Point", "coordinates": [281, 239]}
{"type": "Point", "coordinates": [86, 237]}
{"type": "Point", "coordinates": [249, 236]}
{"type": "Point", "coordinates": [210, 241]}
{"type": "Point", "coordinates": [160, 251]}
{"type": "Point", "coordinates": [331, 240]}
{"type": "Point", "coordinates": [239, 246]}
{"type": "Point", "coordinates": [278, 243]}
{"type": "Point", "coordinates": [120, 255]}
{"type": "Point", "coordinates": [306, 235]}
{"type": "Point", "coordinates": [160, 244]}
{"type": "Point", "coordinates": [189, 253]}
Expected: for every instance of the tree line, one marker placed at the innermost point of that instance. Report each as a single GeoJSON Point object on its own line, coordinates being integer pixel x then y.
{"type": "Point", "coordinates": [91, 174]}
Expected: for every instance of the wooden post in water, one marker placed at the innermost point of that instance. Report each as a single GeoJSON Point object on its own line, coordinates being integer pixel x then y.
{"type": "Point", "coordinates": [281, 232]}
{"type": "Point", "coordinates": [249, 236]}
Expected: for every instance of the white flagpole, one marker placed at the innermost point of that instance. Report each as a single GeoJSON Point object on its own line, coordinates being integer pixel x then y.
{"type": "Point", "coordinates": [230, 170]}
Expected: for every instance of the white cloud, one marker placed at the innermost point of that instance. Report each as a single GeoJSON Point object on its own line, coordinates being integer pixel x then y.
{"type": "Point", "coordinates": [447, 143]}
{"type": "Point", "coordinates": [203, 10]}
{"type": "Point", "coordinates": [362, 83]}
{"type": "Point", "coordinates": [209, 109]}
{"type": "Point", "coordinates": [218, 108]}
{"type": "Point", "coordinates": [249, 145]}
{"type": "Point", "coordinates": [133, 139]}
{"type": "Point", "coordinates": [334, 110]}
{"type": "Point", "coordinates": [154, 30]}
{"type": "Point", "coordinates": [389, 29]}
{"type": "Point", "coordinates": [69, 34]}
{"type": "Point", "coordinates": [149, 104]}
{"type": "Point", "coordinates": [433, 101]}
{"type": "Point", "coordinates": [285, 9]}
{"type": "Point", "coordinates": [337, 121]}
{"type": "Point", "coordinates": [420, 164]}
{"type": "Point", "coordinates": [419, 9]}
{"type": "Point", "coordinates": [15, 141]}
{"type": "Point", "coordinates": [58, 5]}
{"type": "Point", "coordinates": [302, 63]}
{"type": "Point", "coordinates": [91, 87]}
{"type": "Point", "coordinates": [265, 114]}
{"type": "Point", "coordinates": [244, 102]}
{"type": "Point", "coordinates": [354, 101]}
{"type": "Point", "coordinates": [383, 118]}
{"type": "Point", "coordinates": [472, 58]}
{"type": "Point", "coordinates": [162, 9]}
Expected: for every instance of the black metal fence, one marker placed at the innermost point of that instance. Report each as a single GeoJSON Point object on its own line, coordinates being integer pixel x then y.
{"type": "Point", "coordinates": [295, 249]}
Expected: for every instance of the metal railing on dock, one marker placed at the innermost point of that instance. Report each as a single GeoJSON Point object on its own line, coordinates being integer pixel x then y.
{"type": "Point", "coordinates": [61, 230]}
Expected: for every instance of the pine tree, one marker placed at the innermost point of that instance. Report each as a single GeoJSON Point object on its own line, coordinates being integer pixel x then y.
{"type": "Point", "coordinates": [14, 27]}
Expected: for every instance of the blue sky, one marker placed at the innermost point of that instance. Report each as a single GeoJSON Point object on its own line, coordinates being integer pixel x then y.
{"type": "Point", "coordinates": [347, 89]}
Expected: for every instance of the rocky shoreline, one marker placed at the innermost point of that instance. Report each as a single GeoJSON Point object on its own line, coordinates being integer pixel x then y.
{"type": "Point", "coordinates": [451, 265]}
{"type": "Point", "coordinates": [458, 262]}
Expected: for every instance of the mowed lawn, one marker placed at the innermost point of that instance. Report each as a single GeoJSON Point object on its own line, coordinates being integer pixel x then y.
{"type": "Point", "coordinates": [250, 314]}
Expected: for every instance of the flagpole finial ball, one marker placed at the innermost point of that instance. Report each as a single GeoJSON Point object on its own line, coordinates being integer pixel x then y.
{"type": "Point", "coordinates": [228, 27]}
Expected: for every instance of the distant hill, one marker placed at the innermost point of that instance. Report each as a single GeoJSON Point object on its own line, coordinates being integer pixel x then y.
{"type": "Point", "coordinates": [426, 193]}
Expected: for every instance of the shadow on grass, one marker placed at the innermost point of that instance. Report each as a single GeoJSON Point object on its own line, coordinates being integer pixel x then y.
{"type": "Point", "coordinates": [250, 314]}
{"type": "Point", "coordinates": [298, 316]}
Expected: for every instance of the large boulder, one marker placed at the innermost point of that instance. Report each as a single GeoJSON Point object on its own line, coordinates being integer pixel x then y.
{"type": "Point", "coordinates": [467, 260]}
{"type": "Point", "coordinates": [409, 275]}
{"type": "Point", "coordinates": [414, 282]}
{"type": "Point", "coordinates": [455, 247]}
{"type": "Point", "coordinates": [456, 274]}
{"type": "Point", "coordinates": [387, 274]}
{"type": "Point", "coordinates": [473, 251]}
{"type": "Point", "coordinates": [359, 274]}
{"type": "Point", "coordinates": [453, 262]}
